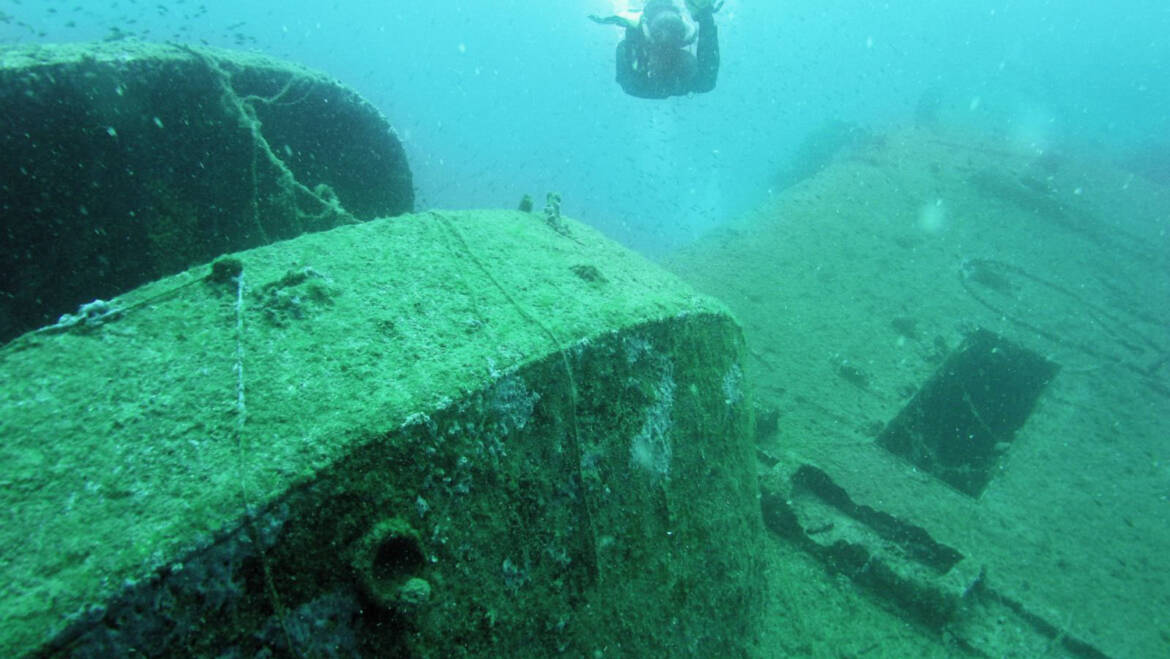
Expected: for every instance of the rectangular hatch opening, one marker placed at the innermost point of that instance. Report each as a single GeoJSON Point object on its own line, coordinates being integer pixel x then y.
{"type": "Point", "coordinates": [961, 423]}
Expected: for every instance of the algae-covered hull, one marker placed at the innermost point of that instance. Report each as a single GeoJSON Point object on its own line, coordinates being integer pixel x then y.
{"type": "Point", "coordinates": [450, 434]}
{"type": "Point", "coordinates": [124, 162]}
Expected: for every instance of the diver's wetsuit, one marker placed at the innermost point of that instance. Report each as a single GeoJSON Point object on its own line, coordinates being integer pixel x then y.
{"type": "Point", "coordinates": [645, 72]}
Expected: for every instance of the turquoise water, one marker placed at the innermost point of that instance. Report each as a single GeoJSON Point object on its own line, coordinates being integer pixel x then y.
{"type": "Point", "coordinates": [500, 98]}
{"type": "Point", "coordinates": [1010, 220]}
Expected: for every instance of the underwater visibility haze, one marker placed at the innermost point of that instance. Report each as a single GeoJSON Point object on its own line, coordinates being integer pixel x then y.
{"type": "Point", "coordinates": [401, 329]}
{"type": "Point", "coordinates": [496, 99]}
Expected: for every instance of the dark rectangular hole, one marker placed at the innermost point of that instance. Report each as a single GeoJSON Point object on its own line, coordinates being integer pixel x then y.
{"type": "Point", "coordinates": [962, 421]}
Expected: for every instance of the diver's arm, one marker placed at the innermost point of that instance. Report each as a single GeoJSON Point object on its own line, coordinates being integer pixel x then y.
{"type": "Point", "coordinates": [707, 53]}
{"type": "Point", "coordinates": [627, 55]}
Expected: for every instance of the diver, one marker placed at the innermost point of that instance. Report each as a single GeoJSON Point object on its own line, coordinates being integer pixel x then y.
{"type": "Point", "coordinates": [654, 59]}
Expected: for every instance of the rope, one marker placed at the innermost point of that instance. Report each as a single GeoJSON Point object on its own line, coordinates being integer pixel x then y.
{"type": "Point", "coordinates": [246, 113]}
{"type": "Point", "coordinates": [574, 435]}
{"type": "Point", "coordinates": [1123, 333]}
{"type": "Point", "coordinates": [241, 458]}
